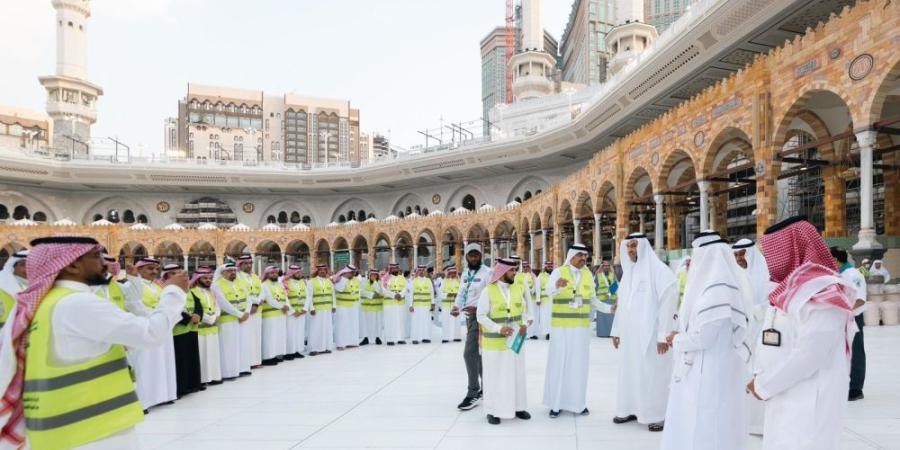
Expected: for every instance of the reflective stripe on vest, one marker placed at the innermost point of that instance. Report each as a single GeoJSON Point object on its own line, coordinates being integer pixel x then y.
{"type": "Point", "coordinates": [502, 316]}
{"type": "Point", "coordinates": [451, 289]}
{"type": "Point", "coordinates": [73, 405]}
{"type": "Point", "coordinates": [564, 316]}
{"type": "Point", "coordinates": [422, 291]}
{"type": "Point", "coordinates": [374, 304]}
{"type": "Point", "coordinates": [323, 294]}
{"type": "Point", "coordinates": [251, 287]}
{"type": "Point", "coordinates": [350, 295]}
{"type": "Point", "coordinates": [277, 291]}
{"type": "Point", "coordinates": [296, 292]}
{"type": "Point", "coordinates": [397, 284]}
{"type": "Point", "coordinates": [544, 279]}
{"type": "Point", "coordinates": [179, 328]}
{"type": "Point", "coordinates": [234, 296]}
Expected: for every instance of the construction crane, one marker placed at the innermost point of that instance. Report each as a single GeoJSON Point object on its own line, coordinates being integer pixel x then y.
{"type": "Point", "coordinates": [510, 46]}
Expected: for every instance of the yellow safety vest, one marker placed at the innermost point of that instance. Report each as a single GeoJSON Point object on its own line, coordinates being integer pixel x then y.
{"type": "Point", "coordinates": [208, 302]}
{"type": "Point", "coordinates": [682, 283]}
{"type": "Point", "coordinates": [451, 289]}
{"type": "Point", "coordinates": [421, 292]}
{"type": "Point", "coordinates": [280, 295]}
{"type": "Point", "coordinates": [296, 292]}
{"type": "Point", "coordinates": [234, 296]}
{"type": "Point", "coordinates": [544, 278]}
{"type": "Point", "coordinates": [251, 288]}
{"type": "Point", "coordinates": [501, 315]}
{"type": "Point", "coordinates": [180, 329]}
{"type": "Point", "coordinates": [151, 294]}
{"type": "Point", "coordinates": [374, 304]}
{"type": "Point", "coordinates": [564, 316]}
{"type": "Point", "coordinates": [525, 280]}
{"type": "Point", "coordinates": [397, 284]}
{"type": "Point", "coordinates": [349, 297]}
{"type": "Point", "coordinates": [603, 287]}
{"type": "Point", "coordinates": [323, 294]}
{"type": "Point", "coordinates": [8, 302]}
{"type": "Point", "coordinates": [73, 405]}
{"type": "Point", "coordinates": [115, 295]}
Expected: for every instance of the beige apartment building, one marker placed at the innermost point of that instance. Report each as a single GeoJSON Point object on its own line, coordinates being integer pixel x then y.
{"type": "Point", "coordinates": [223, 123]}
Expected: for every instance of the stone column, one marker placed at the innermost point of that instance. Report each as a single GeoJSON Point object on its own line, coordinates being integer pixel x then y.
{"type": "Point", "coordinates": [493, 250]}
{"type": "Point", "coordinates": [658, 226]}
{"type": "Point", "coordinates": [640, 221]}
{"type": "Point", "coordinates": [393, 254]}
{"type": "Point", "coordinates": [415, 257]}
{"type": "Point", "coordinates": [673, 224]}
{"type": "Point", "coordinates": [532, 254]}
{"type": "Point", "coordinates": [331, 260]}
{"type": "Point", "coordinates": [520, 244]}
{"type": "Point", "coordinates": [703, 185]}
{"type": "Point", "coordinates": [370, 257]}
{"type": "Point", "coordinates": [187, 261]}
{"type": "Point", "coordinates": [866, 239]}
{"type": "Point", "coordinates": [543, 246]}
{"type": "Point", "coordinates": [458, 257]}
{"type": "Point", "coordinates": [597, 256]}
{"type": "Point", "coordinates": [283, 262]}
{"type": "Point", "coordinates": [891, 195]}
{"type": "Point", "coordinates": [576, 224]}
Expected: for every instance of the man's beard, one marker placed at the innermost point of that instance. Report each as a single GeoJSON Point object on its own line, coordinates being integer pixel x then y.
{"type": "Point", "coordinates": [395, 273]}
{"type": "Point", "coordinates": [548, 271]}
{"type": "Point", "coordinates": [474, 266]}
{"type": "Point", "coordinates": [100, 279]}
{"type": "Point", "coordinates": [205, 284]}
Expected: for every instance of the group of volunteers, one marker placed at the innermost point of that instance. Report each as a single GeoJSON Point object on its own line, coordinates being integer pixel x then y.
{"type": "Point", "coordinates": [745, 338]}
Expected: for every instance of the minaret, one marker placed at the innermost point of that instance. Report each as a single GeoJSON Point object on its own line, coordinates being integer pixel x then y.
{"type": "Point", "coordinates": [533, 67]}
{"type": "Point", "coordinates": [71, 99]}
{"type": "Point", "coordinates": [630, 36]}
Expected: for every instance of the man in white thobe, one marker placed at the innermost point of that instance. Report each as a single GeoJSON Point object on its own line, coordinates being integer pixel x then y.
{"type": "Point", "coordinates": [707, 406]}
{"type": "Point", "coordinates": [530, 280]}
{"type": "Point", "coordinates": [396, 290]}
{"type": "Point", "coordinates": [154, 367]}
{"type": "Point", "coordinates": [372, 295]}
{"type": "Point", "coordinates": [274, 325]}
{"type": "Point", "coordinates": [84, 327]}
{"type": "Point", "coordinates": [748, 257]}
{"type": "Point", "coordinates": [571, 290]}
{"type": "Point", "coordinates": [421, 303]}
{"type": "Point", "coordinates": [503, 314]}
{"type": "Point", "coordinates": [543, 303]}
{"type": "Point", "coordinates": [208, 333]}
{"type": "Point", "coordinates": [252, 285]}
{"type": "Point", "coordinates": [234, 351]}
{"type": "Point", "coordinates": [346, 319]}
{"type": "Point", "coordinates": [447, 292]}
{"type": "Point", "coordinates": [803, 356]}
{"type": "Point", "coordinates": [321, 304]}
{"type": "Point", "coordinates": [648, 294]}
{"type": "Point", "coordinates": [295, 286]}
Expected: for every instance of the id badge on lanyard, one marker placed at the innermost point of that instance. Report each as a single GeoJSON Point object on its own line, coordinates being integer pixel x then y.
{"type": "Point", "coordinates": [771, 336]}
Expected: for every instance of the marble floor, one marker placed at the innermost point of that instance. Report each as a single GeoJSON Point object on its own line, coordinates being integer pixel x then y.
{"type": "Point", "coordinates": [405, 397]}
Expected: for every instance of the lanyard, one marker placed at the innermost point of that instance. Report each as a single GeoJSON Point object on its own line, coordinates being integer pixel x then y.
{"type": "Point", "coordinates": [469, 277]}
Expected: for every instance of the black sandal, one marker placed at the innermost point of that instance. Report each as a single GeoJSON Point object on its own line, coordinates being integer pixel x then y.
{"type": "Point", "coordinates": [656, 427]}
{"type": "Point", "coordinates": [626, 419]}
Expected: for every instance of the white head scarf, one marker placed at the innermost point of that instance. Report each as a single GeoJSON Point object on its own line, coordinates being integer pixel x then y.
{"type": "Point", "coordinates": [757, 271]}
{"type": "Point", "coordinates": [882, 272]}
{"type": "Point", "coordinates": [650, 272]}
{"type": "Point", "coordinates": [222, 268]}
{"type": "Point", "coordinates": [683, 264]}
{"type": "Point", "coordinates": [9, 282]}
{"type": "Point", "coordinates": [573, 251]}
{"type": "Point", "coordinates": [714, 266]}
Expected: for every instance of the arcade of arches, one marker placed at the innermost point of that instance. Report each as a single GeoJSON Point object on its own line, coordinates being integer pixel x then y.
{"type": "Point", "coordinates": [812, 128]}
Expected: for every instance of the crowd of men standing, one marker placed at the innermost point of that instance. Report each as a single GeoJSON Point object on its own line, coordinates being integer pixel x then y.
{"type": "Point", "coordinates": [746, 338]}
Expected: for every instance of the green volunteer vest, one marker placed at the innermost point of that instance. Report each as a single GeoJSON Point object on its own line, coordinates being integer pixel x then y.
{"type": "Point", "coordinates": [234, 296]}
{"type": "Point", "coordinates": [73, 405]}
{"type": "Point", "coordinates": [180, 329]}
{"type": "Point", "coordinates": [374, 304]}
{"type": "Point", "coordinates": [451, 289]}
{"type": "Point", "coordinates": [323, 294]}
{"type": "Point", "coordinates": [562, 315]}
{"type": "Point", "coordinates": [682, 283]}
{"type": "Point", "coordinates": [279, 294]}
{"type": "Point", "coordinates": [296, 292]}
{"type": "Point", "coordinates": [151, 294]}
{"type": "Point", "coordinates": [502, 316]}
{"type": "Point", "coordinates": [115, 295]}
{"type": "Point", "coordinates": [525, 280]}
{"type": "Point", "coordinates": [544, 278]}
{"type": "Point", "coordinates": [8, 302]}
{"type": "Point", "coordinates": [349, 297]}
{"type": "Point", "coordinates": [603, 288]}
{"type": "Point", "coordinates": [397, 284]}
{"type": "Point", "coordinates": [421, 292]}
{"type": "Point", "coordinates": [250, 288]}
{"type": "Point", "coordinates": [208, 303]}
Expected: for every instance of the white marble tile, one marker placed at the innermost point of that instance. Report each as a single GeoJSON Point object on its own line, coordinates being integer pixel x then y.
{"type": "Point", "coordinates": [406, 396]}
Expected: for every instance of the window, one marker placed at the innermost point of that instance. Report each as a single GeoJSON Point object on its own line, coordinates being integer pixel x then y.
{"type": "Point", "coordinates": [270, 219]}
{"type": "Point", "coordinates": [113, 216]}
{"type": "Point", "coordinates": [4, 212]}
{"type": "Point", "coordinates": [128, 216]}
{"type": "Point", "coordinates": [361, 215]}
{"type": "Point", "coordinates": [282, 217]}
{"type": "Point", "coordinates": [97, 217]}
{"type": "Point", "coordinates": [40, 216]}
{"type": "Point", "coordinates": [341, 219]}
{"type": "Point", "coordinates": [142, 219]}
{"type": "Point", "coordinates": [307, 220]}
{"type": "Point", "coordinates": [295, 217]}
{"type": "Point", "coordinates": [20, 213]}
{"type": "Point", "coordinates": [468, 202]}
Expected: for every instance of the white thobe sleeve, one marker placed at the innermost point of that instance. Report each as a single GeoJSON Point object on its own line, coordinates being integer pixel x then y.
{"type": "Point", "coordinates": [820, 336]}
{"type": "Point", "coordinates": [365, 293]}
{"type": "Point", "coordinates": [333, 298]}
{"type": "Point", "coordinates": [408, 293]}
{"type": "Point", "coordinates": [309, 306]}
{"type": "Point", "coordinates": [431, 291]}
{"type": "Point", "coordinates": [224, 304]}
{"type": "Point", "coordinates": [668, 303]}
{"type": "Point", "coordinates": [482, 312]}
{"type": "Point", "coordinates": [266, 295]}
{"type": "Point", "coordinates": [700, 338]}
{"type": "Point", "coordinates": [341, 285]}
{"type": "Point", "coordinates": [210, 319]}
{"type": "Point", "coordinates": [134, 297]}
{"type": "Point", "coordinates": [91, 317]}
{"type": "Point", "coordinates": [600, 306]}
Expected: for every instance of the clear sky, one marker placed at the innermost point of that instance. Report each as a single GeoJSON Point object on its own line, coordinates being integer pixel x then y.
{"type": "Point", "coordinates": [403, 63]}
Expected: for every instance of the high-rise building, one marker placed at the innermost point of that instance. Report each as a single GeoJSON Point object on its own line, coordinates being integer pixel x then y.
{"type": "Point", "coordinates": [661, 13]}
{"type": "Point", "coordinates": [533, 68]}
{"type": "Point", "coordinates": [493, 65]}
{"type": "Point", "coordinates": [240, 124]}
{"type": "Point", "coordinates": [582, 50]}
{"type": "Point", "coordinates": [71, 99]}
